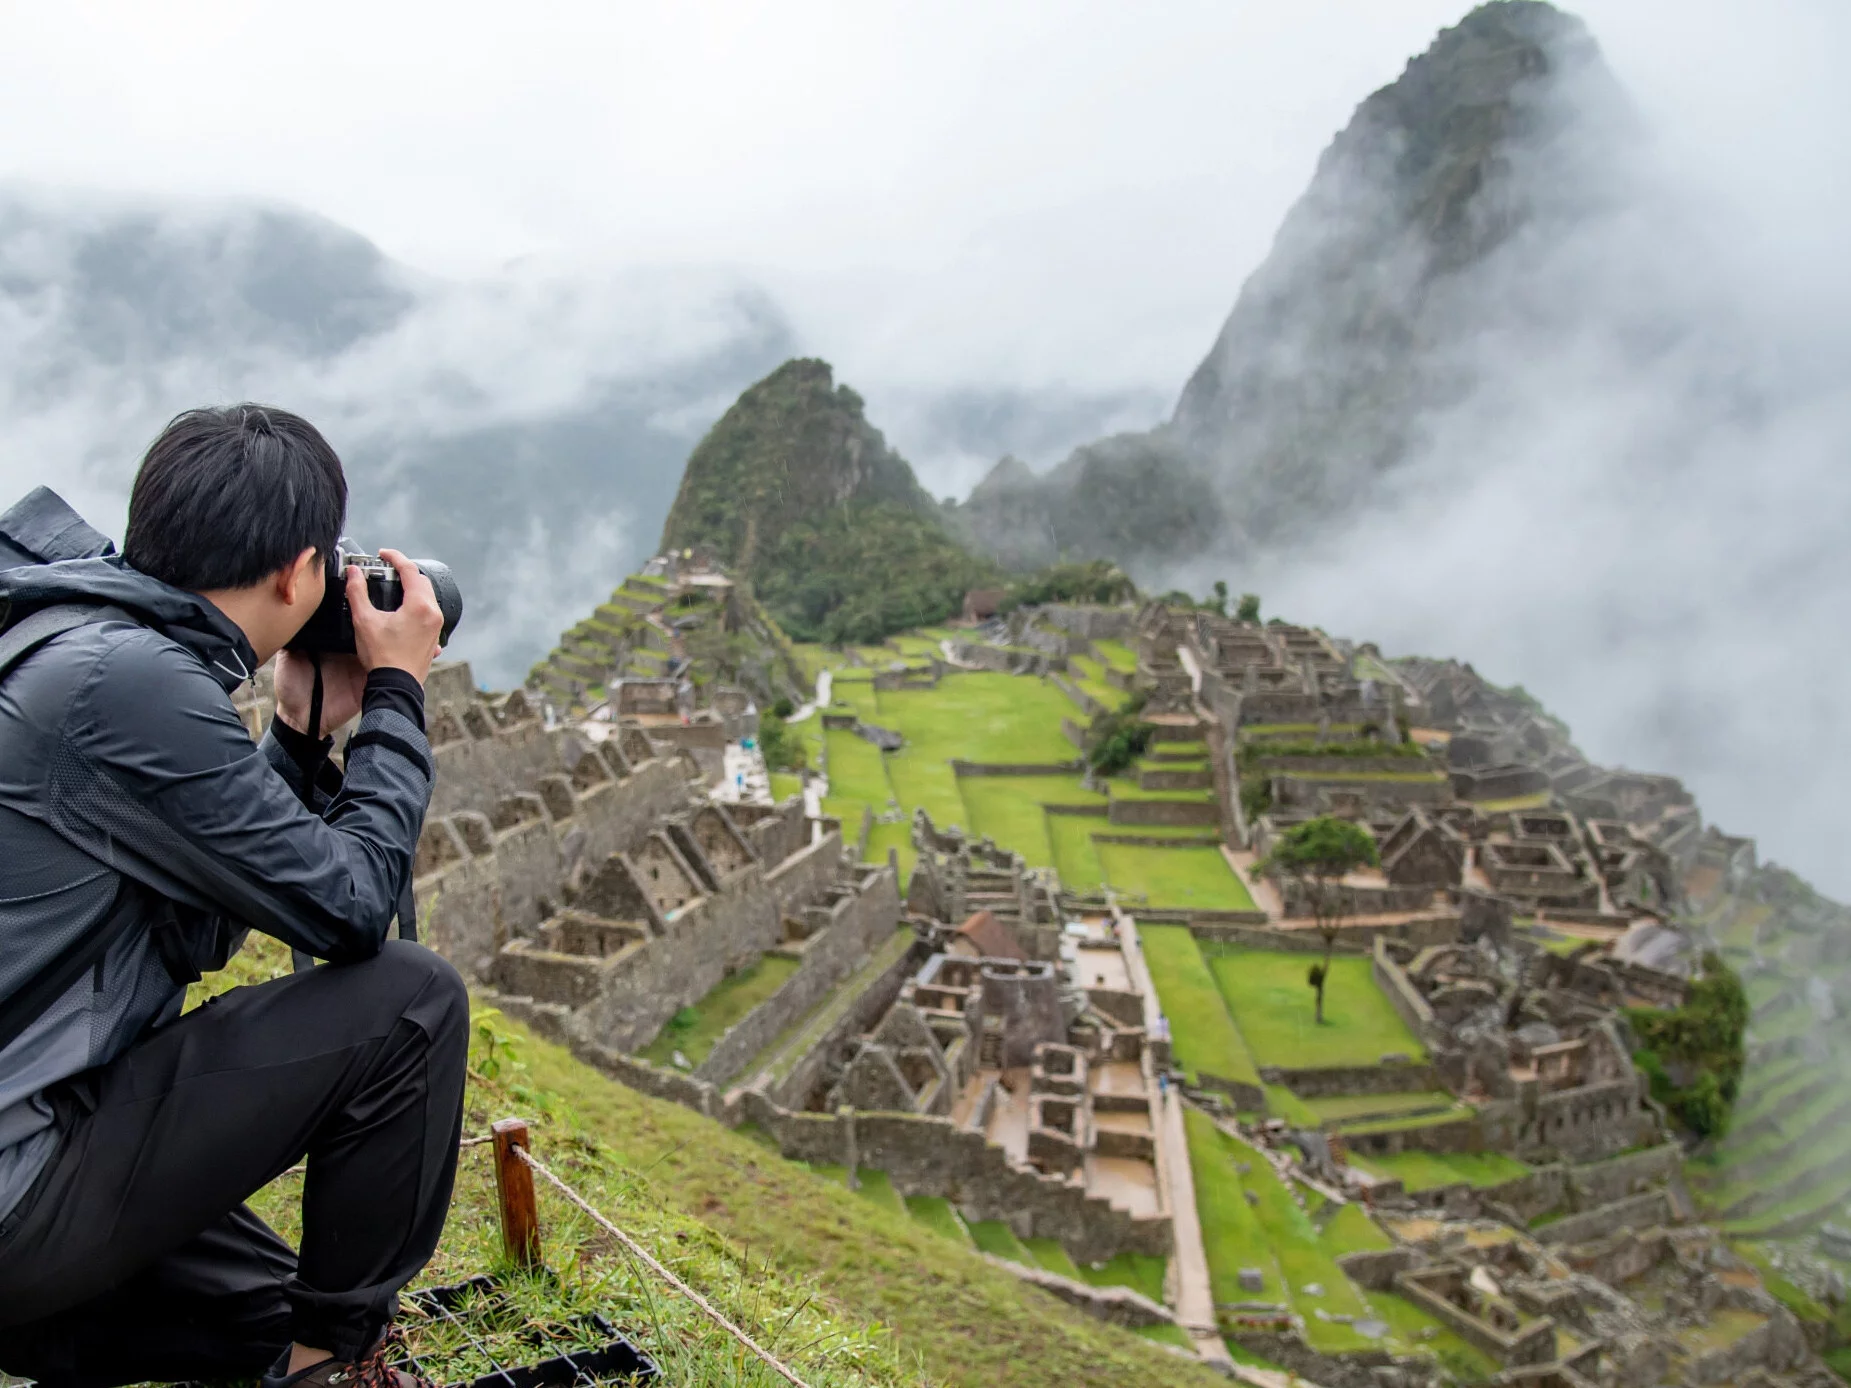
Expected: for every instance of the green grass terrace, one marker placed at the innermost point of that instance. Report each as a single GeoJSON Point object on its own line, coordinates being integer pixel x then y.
{"type": "Point", "coordinates": [1273, 1005]}
{"type": "Point", "coordinates": [694, 1030]}
{"type": "Point", "coordinates": [985, 717]}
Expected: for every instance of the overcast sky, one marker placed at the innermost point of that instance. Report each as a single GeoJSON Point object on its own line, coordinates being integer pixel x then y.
{"type": "Point", "coordinates": [1051, 197]}
{"type": "Point", "coordinates": [1044, 193]}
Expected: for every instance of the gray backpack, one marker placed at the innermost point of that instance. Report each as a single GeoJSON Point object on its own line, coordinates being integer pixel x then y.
{"type": "Point", "coordinates": [42, 529]}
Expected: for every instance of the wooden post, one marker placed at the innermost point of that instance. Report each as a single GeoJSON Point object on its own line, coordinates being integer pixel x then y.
{"type": "Point", "coordinates": [520, 1220]}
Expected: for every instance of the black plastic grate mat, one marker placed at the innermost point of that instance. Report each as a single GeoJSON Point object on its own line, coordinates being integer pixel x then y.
{"type": "Point", "coordinates": [473, 1335]}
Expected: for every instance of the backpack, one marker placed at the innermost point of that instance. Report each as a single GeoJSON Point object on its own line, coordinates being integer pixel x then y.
{"type": "Point", "coordinates": [42, 529]}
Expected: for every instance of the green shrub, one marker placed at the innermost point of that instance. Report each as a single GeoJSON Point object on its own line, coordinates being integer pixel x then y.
{"type": "Point", "coordinates": [1256, 795]}
{"type": "Point", "coordinates": [1116, 739]}
{"type": "Point", "coordinates": [1693, 1055]}
{"type": "Point", "coordinates": [783, 749]}
{"type": "Point", "coordinates": [1100, 582]}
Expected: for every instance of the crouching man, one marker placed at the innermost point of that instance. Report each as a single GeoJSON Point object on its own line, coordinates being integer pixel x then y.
{"type": "Point", "coordinates": [141, 835]}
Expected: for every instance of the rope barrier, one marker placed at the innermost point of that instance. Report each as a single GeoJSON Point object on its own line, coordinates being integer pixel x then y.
{"type": "Point", "coordinates": [712, 1312]}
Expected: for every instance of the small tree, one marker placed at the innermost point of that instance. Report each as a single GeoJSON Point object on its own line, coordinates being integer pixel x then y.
{"type": "Point", "coordinates": [1249, 609]}
{"type": "Point", "coordinates": [1317, 855]}
{"type": "Point", "coordinates": [1220, 601]}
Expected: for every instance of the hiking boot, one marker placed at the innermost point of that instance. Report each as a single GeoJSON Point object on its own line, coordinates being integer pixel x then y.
{"type": "Point", "coordinates": [370, 1370]}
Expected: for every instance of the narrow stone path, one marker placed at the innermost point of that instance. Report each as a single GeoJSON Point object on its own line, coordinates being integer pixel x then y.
{"type": "Point", "coordinates": [944, 649]}
{"type": "Point", "coordinates": [1195, 1295]}
{"type": "Point", "coordinates": [816, 784]}
{"type": "Point", "coordinates": [825, 683]}
{"type": "Point", "coordinates": [1260, 887]}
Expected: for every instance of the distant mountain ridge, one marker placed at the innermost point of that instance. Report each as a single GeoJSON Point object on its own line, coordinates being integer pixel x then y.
{"type": "Point", "coordinates": [1413, 237]}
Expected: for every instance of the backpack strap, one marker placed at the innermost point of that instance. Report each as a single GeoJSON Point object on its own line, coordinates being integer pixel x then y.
{"type": "Point", "coordinates": [29, 1001]}
{"type": "Point", "coordinates": [25, 636]}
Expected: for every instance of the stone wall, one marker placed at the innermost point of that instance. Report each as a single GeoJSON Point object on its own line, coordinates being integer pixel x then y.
{"type": "Point", "coordinates": [1597, 1183]}
{"type": "Point", "coordinates": [1636, 1212]}
{"type": "Point", "coordinates": [1452, 1136]}
{"type": "Point", "coordinates": [861, 1015]}
{"type": "Point", "coordinates": [1289, 1351]}
{"type": "Point", "coordinates": [774, 834]}
{"type": "Point", "coordinates": [1291, 791]}
{"type": "Point", "coordinates": [1560, 1187]}
{"type": "Point", "coordinates": [1202, 924]}
{"type": "Point", "coordinates": [1534, 1344]}
{"type": "Point", "coordinates": [1328, 1081]}
{"type": "Point", "coordinates": [861, 923]}
{"type": "Point", "coordinates": [1114, 1305]}
{"type": "Point", "coordinates": [1093, 623]}
{"type": "Point", "coordinates": [926, 1155]}
{"type": "Point", "coordinates": [1177, 843]}
{"type": "Point", "coordinates": [484, 879]}
{"type": "Point", "coordinates": [1247, 1098]}
{"type": "Point", "coordinates": [1336, 766]}
{"type": "Point", "coordinates": [1364, 900]}
{"type": "Point", "coordinates": [1000, 659]}
{"type": "Point", "coordinates": [474, 771]}
{"type": "Point", "coordinates": [717, 934]}
{"type": "Point", "coordinates": [1403, 996]}
{"type": "Point", "coordinates": [1166, 812]}
{"type": "Point", "coordinates": [1582, 1124]}
{"type": "Point", "coordinates": [1086, 703]}
{"type": "Point", "coordinates": [1777, 1343]}
{"type": "Point", "coordinates": [1354, 937]}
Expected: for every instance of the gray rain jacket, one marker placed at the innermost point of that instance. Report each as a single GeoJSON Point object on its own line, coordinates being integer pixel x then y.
{"type": "Point", "coordinates": [121, 756]}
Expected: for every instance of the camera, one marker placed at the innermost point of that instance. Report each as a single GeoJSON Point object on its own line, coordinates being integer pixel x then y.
{"type": "Point", "coordinates": [330, 630]}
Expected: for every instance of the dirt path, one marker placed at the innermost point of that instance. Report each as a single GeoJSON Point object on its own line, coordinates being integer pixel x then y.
{"type": "Point", "coordinates": [1259, 886]}
{"type": "Point", "coordinates": [1195, 1296]}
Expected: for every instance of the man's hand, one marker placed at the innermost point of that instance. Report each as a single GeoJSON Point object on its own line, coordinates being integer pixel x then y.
{"type": "Point", "coordinates": [343, 682]}
{"type": "Point", "coordinates": [402, 640]}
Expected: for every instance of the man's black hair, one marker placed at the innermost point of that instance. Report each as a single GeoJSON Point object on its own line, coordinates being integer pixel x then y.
{"type": "Point", "coordinates": [228, 496]}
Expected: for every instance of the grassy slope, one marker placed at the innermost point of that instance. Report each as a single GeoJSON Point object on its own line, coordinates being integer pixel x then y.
{"type": "Point", "coordinates": [967, 1322]}
{"type": "Point", "coordinates": [979, 717]}
{"type": "Point", "coordinates": [729, 1001]}
{"type": "Point", "coordinates": [1295, 1250]}
{"type": "Point", "coordinates": [1202, 1035]}
{"type": "Point", "coordinates": [1273, 1006]}
{"type": "Point", "coordinates": [853, 1290]}
{"type": "Point", "coordinates": [1198, 878]}
{"type": "Point", "coordinates": [1426, 1170]}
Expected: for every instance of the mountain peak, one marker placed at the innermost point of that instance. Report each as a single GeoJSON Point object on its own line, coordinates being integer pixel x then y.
{"type": "Point", "coordinates": [1508, 126]}
{"type": "Point", "coordinates": [792, 446]}
{"type": "Point", "coordinates": [797, 493]}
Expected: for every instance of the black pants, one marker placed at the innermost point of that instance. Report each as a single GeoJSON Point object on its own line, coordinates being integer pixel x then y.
{"type": "Point", "coordinates": [133, 1256]}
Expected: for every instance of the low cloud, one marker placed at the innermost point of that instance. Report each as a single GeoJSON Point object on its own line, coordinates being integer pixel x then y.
{"type": "Point", "coordinates": [1639, 508]}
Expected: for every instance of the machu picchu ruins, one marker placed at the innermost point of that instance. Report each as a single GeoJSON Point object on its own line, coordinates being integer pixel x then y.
{"type": "Point", "coordinates": [924, 925]}
{"type": "Point", "coordinates": [1060, 1012]}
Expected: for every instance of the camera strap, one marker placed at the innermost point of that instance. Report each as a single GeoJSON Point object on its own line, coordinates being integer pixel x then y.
{"type": "Point", "coordinates": [300, 960]}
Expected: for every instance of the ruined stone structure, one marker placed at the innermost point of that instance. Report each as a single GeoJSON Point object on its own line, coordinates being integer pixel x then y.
{"type": "Point", "coordinates": [1047, 1061]}
{"type": "Point", "coordinates": [1528, 1038]}
{"type": "Point", "coordinates": [955, 878]}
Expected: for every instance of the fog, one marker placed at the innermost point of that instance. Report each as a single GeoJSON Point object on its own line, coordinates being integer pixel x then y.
{"type": "Point", "coordinates": [1012, 230]}
{"type": "Point", "coordinates": [1639, 509]}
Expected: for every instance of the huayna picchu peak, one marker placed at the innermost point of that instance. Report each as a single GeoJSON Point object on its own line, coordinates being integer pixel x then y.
{"type": "Point", "coordinates": [801, 497]}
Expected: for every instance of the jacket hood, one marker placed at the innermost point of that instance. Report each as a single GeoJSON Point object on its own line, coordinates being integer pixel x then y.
{"type": "Point", "coordinates": [182, 617]}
